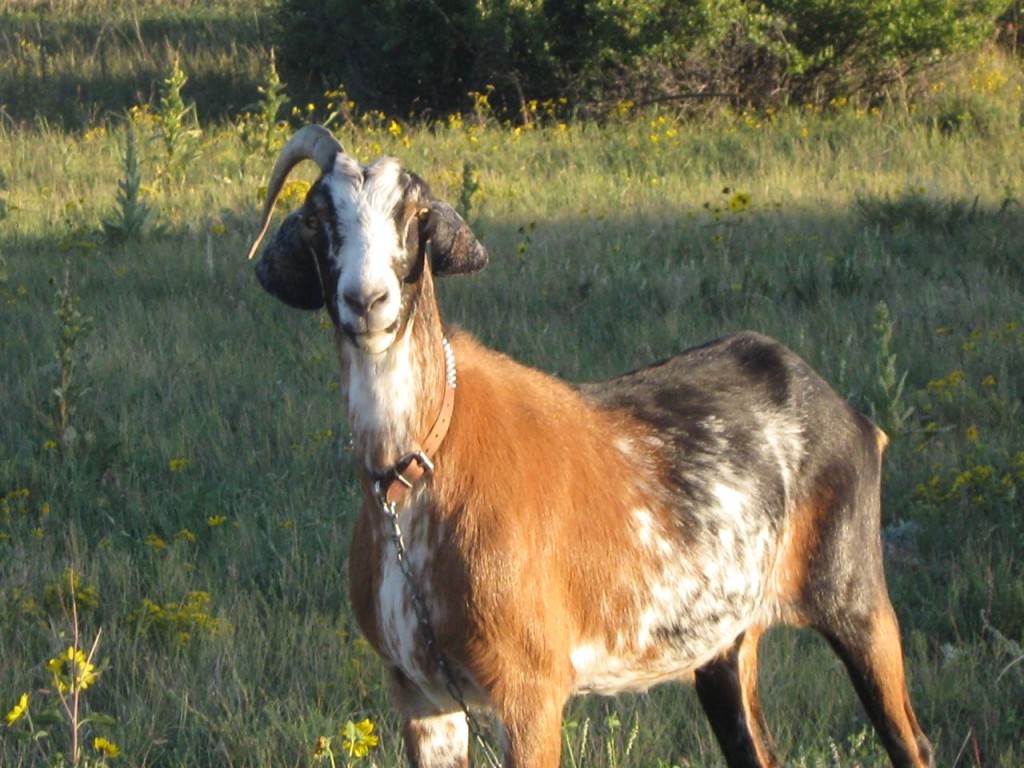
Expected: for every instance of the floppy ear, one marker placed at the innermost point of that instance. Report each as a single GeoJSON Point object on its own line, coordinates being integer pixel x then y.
{"type": "Point", "coordinates": [454, 249]}
{"type": "Point", "coordinates": [287, 269]}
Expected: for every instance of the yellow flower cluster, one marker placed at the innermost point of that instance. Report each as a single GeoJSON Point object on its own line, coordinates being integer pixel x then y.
{"type": "Point", "coordinates": [947, 384]}
{"type": "Point", "coordinates": [293, 194]}
{"type": "Point", "coordinates": [987, 76]}
{"type": "Point", "coordinates": [180, 620]}
{"type": "Point", "coordinates": [739, 202]}
{"type": "Point", "coordinates": [357, 741]}
{"type": "Point", "coordinates": [981, 484]}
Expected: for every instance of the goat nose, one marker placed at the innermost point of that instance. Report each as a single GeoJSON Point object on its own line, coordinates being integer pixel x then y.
{"type": "Point", "coordinates": [362, 303]}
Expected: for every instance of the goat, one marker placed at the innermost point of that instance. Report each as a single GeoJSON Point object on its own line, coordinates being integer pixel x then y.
{"type": "Point", "coordinates": [570, 539]}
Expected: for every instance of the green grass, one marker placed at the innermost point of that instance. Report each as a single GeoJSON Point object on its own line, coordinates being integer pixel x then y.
{"type": "Point", "coordinates": [70, 63]}
{"type": "Point", "coordinates": [203, 495]}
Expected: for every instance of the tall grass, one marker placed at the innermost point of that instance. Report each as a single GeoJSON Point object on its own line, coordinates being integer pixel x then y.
{"type": "Point", "coordinates": [71, 62]}
{"type": "Point", "coordinates": [205, 501]}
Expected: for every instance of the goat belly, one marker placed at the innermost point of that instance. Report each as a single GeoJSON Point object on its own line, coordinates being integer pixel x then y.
{"type": "Point", "coordinates": [695, 598]}
{"type": "Point", "coordinates": [722, 430]}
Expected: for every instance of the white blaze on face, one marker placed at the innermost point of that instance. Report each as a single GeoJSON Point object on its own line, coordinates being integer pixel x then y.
{"type": "Point", "coordinates": [369, 290]}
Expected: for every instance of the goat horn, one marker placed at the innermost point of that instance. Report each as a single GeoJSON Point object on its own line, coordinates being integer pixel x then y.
{"type": "Point", "coordinates": [312, 142]}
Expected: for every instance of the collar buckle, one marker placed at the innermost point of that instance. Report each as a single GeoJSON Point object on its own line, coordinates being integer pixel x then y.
{"type": "Point", "coordinates": [426, 467]}
{"type": "Point", "coordinates": [401, 478]}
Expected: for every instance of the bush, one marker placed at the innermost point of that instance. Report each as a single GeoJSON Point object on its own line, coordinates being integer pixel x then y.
{"type": "Point", "coordinates": [405, 56]}
{"type": "Point", "coordinates": [395, 55]}
{"type": "Point", "coordinates": [846, 48]}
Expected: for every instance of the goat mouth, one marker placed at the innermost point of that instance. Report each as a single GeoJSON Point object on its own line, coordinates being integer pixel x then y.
{"type": "Point", "coordinates": [372, 342]}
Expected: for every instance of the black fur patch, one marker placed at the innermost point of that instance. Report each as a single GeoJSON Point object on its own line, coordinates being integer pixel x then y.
{"type": "Point", "coordinates": [287, 269]}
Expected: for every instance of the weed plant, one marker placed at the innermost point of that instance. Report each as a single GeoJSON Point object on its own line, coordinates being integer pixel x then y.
{"type": "Point", "coordinates": [72, 326]}
{"type": "Point", "coordinates": [132, 216]}
{"type": "Point", "coordinates": [207, 516]}
{"type": "Point", "coordinates": [263, 130]}
{"type": "Point", "coordinates": [178, 124]}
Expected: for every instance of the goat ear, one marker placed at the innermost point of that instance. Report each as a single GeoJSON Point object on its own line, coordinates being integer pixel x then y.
{"type": "Point", "coordinates": [454, 249]}
{"type": "Point", "coordinates": [287, 269]}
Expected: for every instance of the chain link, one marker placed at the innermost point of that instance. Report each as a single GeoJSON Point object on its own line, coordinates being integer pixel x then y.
{"type": "Point", "coordinates": [427, 630]}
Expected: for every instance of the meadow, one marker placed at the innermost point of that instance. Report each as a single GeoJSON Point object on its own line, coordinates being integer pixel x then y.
{"type": "Point", "coordinates": [175, 490]}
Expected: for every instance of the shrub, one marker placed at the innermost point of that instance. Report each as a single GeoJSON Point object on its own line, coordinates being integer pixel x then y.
{"type": "Point", "coordinates": [404, 55]}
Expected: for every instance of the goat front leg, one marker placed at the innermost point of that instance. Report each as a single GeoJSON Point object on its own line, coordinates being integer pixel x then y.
{"type": "Point", "coordinates": [532, 728]}
{"type": "Point", "coordinates": [433, 737]}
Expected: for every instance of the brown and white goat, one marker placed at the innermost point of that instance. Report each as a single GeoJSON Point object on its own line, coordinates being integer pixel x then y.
{"type": "Point", "coordinates": [569, 539]}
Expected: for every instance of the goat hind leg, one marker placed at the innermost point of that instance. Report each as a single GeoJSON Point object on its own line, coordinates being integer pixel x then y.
{"type": "Point", "coordinates": [870, 648]}
{"type": "Point", "coordinates": [727, 689]}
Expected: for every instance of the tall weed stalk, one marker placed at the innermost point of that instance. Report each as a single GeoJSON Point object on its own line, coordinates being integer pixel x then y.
{"type": "Point", "coordinates": [72, 327]}
{"type": "Point", "coordinates": [133, 216]}
{"type": "Point", "coordinates": [888, 405]}
{"type": "Point", "coordinates": [178, 124]}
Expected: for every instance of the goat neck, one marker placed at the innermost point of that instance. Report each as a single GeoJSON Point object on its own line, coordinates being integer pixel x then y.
{"type": "Point", "coordinates": [393, 398]}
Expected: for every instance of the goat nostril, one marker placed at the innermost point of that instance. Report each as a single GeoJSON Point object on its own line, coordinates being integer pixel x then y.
{"type": "Point", "coordinates": [353, 301]}
{"type": "Point", "coordinates": [361, 303]}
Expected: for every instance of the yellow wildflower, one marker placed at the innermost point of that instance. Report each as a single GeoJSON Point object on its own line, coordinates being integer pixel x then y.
{"type": "Point", "coordinates": [106, 747]}
{"type": "Point", "coordinates": [321, 748]}
{"type": "Point", "coordinates": [19, 710]}
{"type": "Point", "coordinates": [739, 202]}
{"type": "Point", "coordinates": [357, 739]}
{"type": "Point", "coordinates": [72, 671]}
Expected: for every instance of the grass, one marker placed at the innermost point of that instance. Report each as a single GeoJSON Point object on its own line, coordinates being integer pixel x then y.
{"type": "Point", "coordinates": [71, 63]}
{"type": "Point", "coordinates": [197, 484]}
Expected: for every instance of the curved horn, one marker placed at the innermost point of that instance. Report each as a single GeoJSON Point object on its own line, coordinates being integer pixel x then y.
{"type": "Point", "coordinates": [312, 142]}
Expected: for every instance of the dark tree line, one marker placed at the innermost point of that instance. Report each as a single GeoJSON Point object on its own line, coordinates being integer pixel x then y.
{"type": "Point", "coordinates": [424, 57]}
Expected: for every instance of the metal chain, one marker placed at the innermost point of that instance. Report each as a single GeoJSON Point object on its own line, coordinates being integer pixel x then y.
{"type": "Point", "coordinates": [427, 630]}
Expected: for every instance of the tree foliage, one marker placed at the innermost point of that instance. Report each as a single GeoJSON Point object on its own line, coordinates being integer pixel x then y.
{"type": "Point", "coordinates": [425, 56]}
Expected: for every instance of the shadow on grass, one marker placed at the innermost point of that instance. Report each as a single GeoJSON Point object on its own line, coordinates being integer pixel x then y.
{"type": "Point", "coordinates": [72, 72]}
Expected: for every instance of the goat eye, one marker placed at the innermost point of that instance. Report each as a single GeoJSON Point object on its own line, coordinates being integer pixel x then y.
{"type": "Point", "coordinates": [311, 221]}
